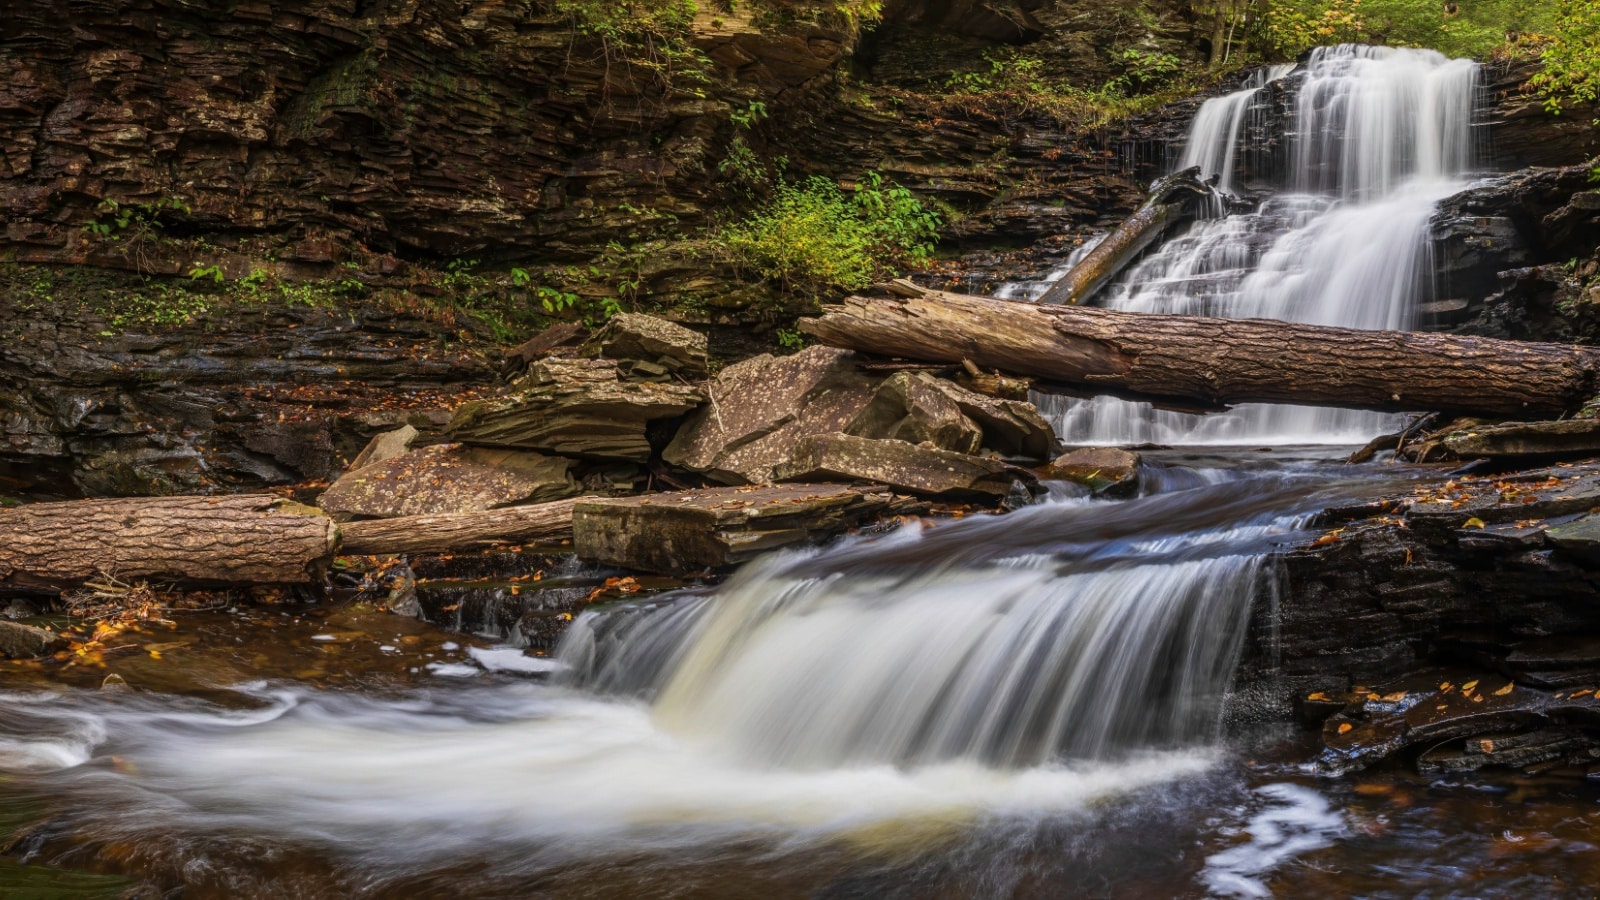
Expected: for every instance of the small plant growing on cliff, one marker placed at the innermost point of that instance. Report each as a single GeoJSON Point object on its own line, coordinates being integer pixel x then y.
{"type": "Point", "coordinates": [812, 235]}
{"type": "Point", "coordinates": [1572, 57]}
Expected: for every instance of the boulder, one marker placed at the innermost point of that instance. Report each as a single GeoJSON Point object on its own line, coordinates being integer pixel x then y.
{"type": "Point", "coordinates": [917, 469]}
{"type": "Point", "coordinates": [574, 407]}
{"type": "Point", "coordinates": [448, 478]}
{"type": "Point", "coordinates": [658, 343]}
{"type": "Point", "coordinates": [19, 641]}
{"type": "Point", "coordinates": [719, 527]}
{"type": "Point", "coordinates": [385, 447]}
{"type": "Point", "coordinates": [1012, 427]}
{"type": "Point", "coordinates": [761, 407]}
{"type": "Point", "coordinates": [1104, 470]}
{"type": "Point", "coordinates": [913, 407]}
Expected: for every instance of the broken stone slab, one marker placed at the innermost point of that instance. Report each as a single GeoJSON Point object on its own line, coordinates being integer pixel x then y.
{"type": "Point", "coordinates": [1012, 427]}
{"type": "Point", "coordinates": [448, 478]}
{"type": "Point", "coordinates": [385, 447]}
{"type": "Point", "coordinates": [923, 470]}
{"type": "Point", "coordinates": [656, 342]}
{"type": "Point", "coordinates": [574, 408]}
{"type": "Point", "coordinates": [717, 527]}
{"type": "Point", "coordinates": [1570, 437]}
{"type": "Point", "coordinates": [760, 407]}
{"type": "Point", "coordinates": [912, 407]}
{"type": "Point", "coordinates": [1110, 471]}
{"type": "Point", "coordinates": [18, 641]}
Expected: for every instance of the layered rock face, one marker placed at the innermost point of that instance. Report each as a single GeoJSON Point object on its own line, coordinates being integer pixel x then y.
{"type": "Point", "coordinates": [415, 126]}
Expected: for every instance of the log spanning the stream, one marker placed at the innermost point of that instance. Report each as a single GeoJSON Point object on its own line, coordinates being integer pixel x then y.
{"type": "Point", "coordinates": [1195, 361]}
{"type": "Point", "coordinates": [1174, 200]}
{"type": "Point", "coordinates": [245, 539]}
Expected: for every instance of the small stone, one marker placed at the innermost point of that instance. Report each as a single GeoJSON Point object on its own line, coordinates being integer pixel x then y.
{"type": "Point", "coordinates": [1104, 470]}
{"type": "Point", "coordinates": [18, 641]}
{"type": "Point", "coordinates": [385, 447]}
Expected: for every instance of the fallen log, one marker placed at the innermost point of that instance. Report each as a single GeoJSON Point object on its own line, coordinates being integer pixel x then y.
{"type": "Point", "coordinates": [1173, 201]}
{"type": "Point", "coordinates": [460, 531]}
{"type": "Point", "coordinates": [245, 539]}
{"type": "Point", "coordinates": [1220, 362]}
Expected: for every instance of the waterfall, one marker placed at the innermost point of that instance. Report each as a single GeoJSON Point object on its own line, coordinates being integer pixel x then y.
{"type": "Point", "coordinates": [1376, 137]}
{"type": "Point", "coordinates": [1047, 635]}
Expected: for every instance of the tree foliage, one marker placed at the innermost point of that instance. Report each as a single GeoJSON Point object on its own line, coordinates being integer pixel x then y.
{"type": "Point", "coordinates": [1465, 28]}
{"type": "Point", "coordinates": [1572, 57]}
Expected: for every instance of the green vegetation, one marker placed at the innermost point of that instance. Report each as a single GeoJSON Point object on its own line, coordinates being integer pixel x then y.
{"type": "Point", "coordinates": [1572, 57]}
{"type": "Point", "coordinates": [649, 39]}
{"type": "Point", "coordinates": [1469, 28]}
{"type": "Point", "coordinates": [812, 236]}
{"type": "Point", "coordinates": [1014, 80]}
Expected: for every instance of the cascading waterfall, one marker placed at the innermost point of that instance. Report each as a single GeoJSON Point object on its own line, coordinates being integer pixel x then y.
{"type": "Point", "coordinates": [1377, 137]}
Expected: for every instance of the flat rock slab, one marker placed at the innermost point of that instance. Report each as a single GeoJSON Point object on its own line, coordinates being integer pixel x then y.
{"type": "Point", "coordinates": [448, 478]}
{"type": "Point", "coordinates": [18, 641]}
{"type": "Point", "coordinates": [921, 470]}
{"type": "Point", "coordinates": [1580, 537]}
{"type": "Point", "coordinates": [717, 527]}
{"type": "Point", "coordinates": [1514, 439]}
{"type": "Point", "coordinates": [1545, 494]}
{"type": "Point", "coordinates": [1467, 719]}
{"type": "Point", "coordinates": [574, 408]}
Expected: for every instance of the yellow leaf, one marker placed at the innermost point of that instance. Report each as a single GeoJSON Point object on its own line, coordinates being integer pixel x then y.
{"type": "Point", "coordinates": [1467, 688]}
{"type": "Point", "coordinates": [1505, 690]}
{"type": "Point", "coordinates": [1345, 727]}
{"type": "Point", "coordinates": [1473, 522]}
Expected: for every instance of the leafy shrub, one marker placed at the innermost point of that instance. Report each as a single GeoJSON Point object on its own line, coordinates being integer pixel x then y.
{"type": "Point", "coordinates": [1469, 28]}
{"type": "Point", "coordinates": [812, 235]}
{"type": "Point", "coordinates": [1572, 57]}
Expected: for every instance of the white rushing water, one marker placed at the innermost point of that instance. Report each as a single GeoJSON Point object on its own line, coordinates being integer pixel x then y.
{"type": "Point", "coordinates": [1377, 137]}
{"type": "Point", "coordinates": [1023, 667]}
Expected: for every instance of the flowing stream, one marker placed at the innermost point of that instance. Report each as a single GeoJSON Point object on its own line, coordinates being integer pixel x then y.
{"type": "Point", "coordinates": [1039, 704]}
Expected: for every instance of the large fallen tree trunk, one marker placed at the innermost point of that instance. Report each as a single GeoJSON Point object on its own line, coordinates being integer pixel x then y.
{"type": "Point", "coordinates": [1189, 359]}
{"type": "Point", "coordinates": [1174, 200]}
{"type": "Point", "coordinates": [246, 539]}
{"type": "Point", "coordinates": [459, 531]}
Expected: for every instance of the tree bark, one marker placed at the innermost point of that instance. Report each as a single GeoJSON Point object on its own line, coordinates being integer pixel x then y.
{"type": "Point", "coordinates": [1219, 362]}
{"type": "Point", "coordinates": [457, 531]}
{"type": "Point", "coordinates": [1173, 201]}
{"type": "Point", "coordinates": [244, 539]}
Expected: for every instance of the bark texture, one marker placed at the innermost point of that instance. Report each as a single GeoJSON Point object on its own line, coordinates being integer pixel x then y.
{"type": "Point", "coordinates": [1172, 202]}
{"type": "Point", "coordinates": [457, 531]}
{"type": "Point", "coordinates": [1219, 361]}
{"type": "Point", "coordinates": [247, 539]}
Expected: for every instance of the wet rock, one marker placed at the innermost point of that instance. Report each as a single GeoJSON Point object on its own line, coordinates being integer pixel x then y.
{"type": "Point", "coordinates": [1104, 470]}
{"type": "Point", "coordinates": [718, 527]}
{"type": "Point", "coordinates": [385, 447]}
{"type": "Point", "coordinates": [1466, 719]}
{"type": "Point", "coordinates": [449, 478]}
{"type": "Point", "coordinates": [556, 337]}
{"type": "Point", "coordinates": [632, 339]}
{"type": "Point", "coordinates": [1569, 437]}
{"type": "Point", "coordinates": [18, 641]}
{"type": "Point", "coordinates": [574, 408]}
{"type": "Point", "coordinates": [917, 469]}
